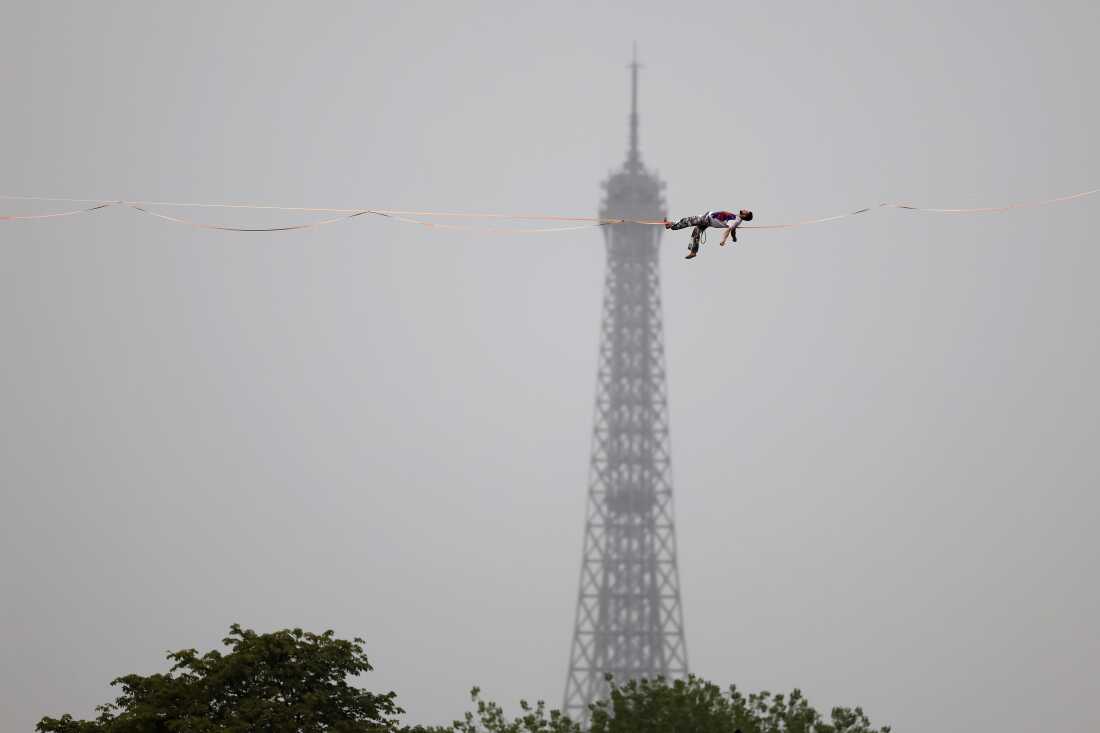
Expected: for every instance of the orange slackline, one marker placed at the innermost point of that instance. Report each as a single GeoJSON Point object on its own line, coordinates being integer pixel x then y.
{"type": "Point", "coordinates": [414, 217]}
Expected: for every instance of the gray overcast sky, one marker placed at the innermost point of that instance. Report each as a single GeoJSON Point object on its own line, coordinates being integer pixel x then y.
{"type": "Point", "coordinates": [884, 429]}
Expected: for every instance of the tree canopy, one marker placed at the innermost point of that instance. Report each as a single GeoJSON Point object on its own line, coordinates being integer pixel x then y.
{"type": "Point", "coordinates": [292, 681]}
{"type": "Point", "coordinates": [288, 680]}
{"type": "Point", "coordinates": [663, 706]}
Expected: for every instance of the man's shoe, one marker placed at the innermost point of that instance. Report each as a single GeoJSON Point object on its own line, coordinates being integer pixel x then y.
{"type": "Point", "coordinates": [690, 255]}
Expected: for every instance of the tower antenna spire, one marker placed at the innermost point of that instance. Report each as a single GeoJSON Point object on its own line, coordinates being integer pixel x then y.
{"type": "Point", "coordinates": [634, 157]}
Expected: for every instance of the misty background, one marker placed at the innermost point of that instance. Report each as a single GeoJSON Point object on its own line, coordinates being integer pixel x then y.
{"type": "Point", "coordinates": [884, 429]}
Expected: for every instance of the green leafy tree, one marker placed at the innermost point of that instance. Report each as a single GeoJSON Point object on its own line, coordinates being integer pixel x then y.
{"type": "Point", "coordinates": [662, 706]}
{"type": "Point", "coordinates": [644, 706]}
{"type": "Point", "coordinates": [289, 680]}
{"type": "Point", "coordinates": [489, 717]}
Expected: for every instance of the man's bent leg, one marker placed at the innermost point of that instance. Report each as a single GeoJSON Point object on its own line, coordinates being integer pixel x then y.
{"type": "Point", "coordinates": [695, 237]}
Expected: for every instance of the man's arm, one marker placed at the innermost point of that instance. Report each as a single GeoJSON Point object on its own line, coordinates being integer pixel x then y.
{"type": "Point", "coordinates": [734, 223]}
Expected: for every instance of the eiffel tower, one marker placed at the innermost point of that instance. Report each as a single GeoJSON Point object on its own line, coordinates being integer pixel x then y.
{"type": "Point", "coordinates": [629, 618]}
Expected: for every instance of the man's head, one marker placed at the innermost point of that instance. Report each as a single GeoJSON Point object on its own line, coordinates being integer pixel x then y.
{"type": "Point", "coordinates": [746, 215]}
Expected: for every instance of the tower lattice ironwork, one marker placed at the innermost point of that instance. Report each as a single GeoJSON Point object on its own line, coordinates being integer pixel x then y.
{"type": "Point", "coordinates": [629, 618]}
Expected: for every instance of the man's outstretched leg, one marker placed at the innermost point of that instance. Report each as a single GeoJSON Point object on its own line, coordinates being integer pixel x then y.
{"type": "Point", "coordinates": [687, 221]}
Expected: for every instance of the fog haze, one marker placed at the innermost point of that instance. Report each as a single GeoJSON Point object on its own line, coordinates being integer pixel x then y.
{"type": "Point", "coordinates": [884, 429]}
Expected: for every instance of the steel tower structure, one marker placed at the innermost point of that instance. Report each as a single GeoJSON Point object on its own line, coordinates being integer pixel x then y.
{"type": "Point", "coordinates": [629, 617]}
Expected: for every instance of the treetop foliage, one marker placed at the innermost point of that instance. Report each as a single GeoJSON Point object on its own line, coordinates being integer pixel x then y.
{"type": "Point", "coordinates": [663, 706]}
{"type": "Point", "coordinates": [287, 680]}
{"type": "Point", "coordinates": [292, 681]}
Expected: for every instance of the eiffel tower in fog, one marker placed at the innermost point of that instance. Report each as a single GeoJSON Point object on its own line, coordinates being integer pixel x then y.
{"type": "Point", "coordinates": [629, 618]}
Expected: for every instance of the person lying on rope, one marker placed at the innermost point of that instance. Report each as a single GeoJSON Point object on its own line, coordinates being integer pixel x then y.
{"type": "Point", "coordinates": [717, 219]}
